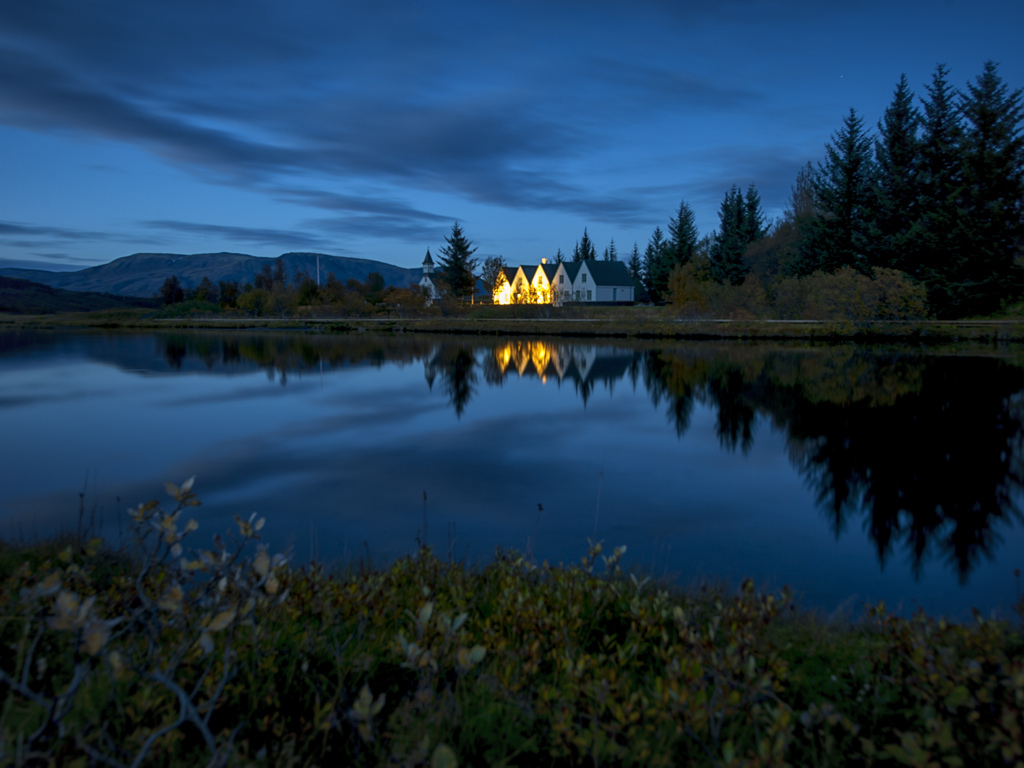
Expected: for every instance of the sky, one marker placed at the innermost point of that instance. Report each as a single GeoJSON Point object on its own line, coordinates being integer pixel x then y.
{"type": "Point", "coordinates": [367, 129]}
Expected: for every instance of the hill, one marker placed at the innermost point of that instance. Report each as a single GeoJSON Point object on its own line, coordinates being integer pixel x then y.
{"type": "Point", "coordinates": [142, 274]}
{"type": "Point", "coordinates": [23, 297]}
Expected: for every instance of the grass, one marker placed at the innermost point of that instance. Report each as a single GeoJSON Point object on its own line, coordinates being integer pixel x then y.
{"type": "Point", "coordinates": [228, 656]}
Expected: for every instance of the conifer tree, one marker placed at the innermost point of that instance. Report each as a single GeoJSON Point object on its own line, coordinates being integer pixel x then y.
{"type": "Point", "coordinates": [731, 240]}
{"type": "Point", "coordinates": [942, 190]}
{"type": "Point", "coordinates": [682, 236]}
{"type": "Point", "coordinates": [559, 256]}
{"type": "Point", "coordinates": [634, 265]}
{"type": "Point", "coordinates": [611, 253]}
{"type": "Point", "coordinates": [456, 265]}
{"type": "Point", "coordinates": [585, 250]}
{"type": "Point", "coordinates": [655, 276]}
{"type": "Point", "coordinates": [896, 190]}
{"type": "Point", "coordinates": [992, 229]}
{"type": "Point", "coordinates": [841, 235]}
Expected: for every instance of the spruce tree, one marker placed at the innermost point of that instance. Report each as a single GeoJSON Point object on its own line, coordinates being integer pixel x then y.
{"type": "Point", "coordinates": [753, 217]}
{"type": "Point", "coordinates": [655, 276]}
{"type": "Point", "coordinates": [896, 191]}
{"type": "Point", "coordinates": [634, 265]}
{"type": "Point", "coordinates": [942, 191]}
{"type": "Point", "coordinates": [611, 253]}
{"type": "Point", "coordinates": [682, 236]}
{"type": "Point", "coordinates": [456, 265]}
{"type": "Point", "coordinates": [992, 229]}
{"type": "Point", "coordinates": [731, 240]}
{"type": "Point", "coordinates": [559, 256]}
{"type": "Point", "coordinates": [843, 195]}
{"type": "Point", "coordinates": [585, 250]}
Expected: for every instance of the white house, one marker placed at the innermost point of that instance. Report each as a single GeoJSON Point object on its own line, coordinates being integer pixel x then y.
{"type": "Point", "coordinates": [608, 282]}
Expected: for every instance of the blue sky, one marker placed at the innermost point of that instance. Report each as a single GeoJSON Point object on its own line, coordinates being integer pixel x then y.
{"type": "Point", "coordinates": [366, 129]}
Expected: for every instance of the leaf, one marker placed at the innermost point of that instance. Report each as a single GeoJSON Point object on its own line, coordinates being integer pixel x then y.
{"type": "Point", "coordinates": [425, 613]}
{"type": "Point", "coordinates": [476, 654]}
{"type": "Point", "coordinates": [187, 485]}
{"type": "Point", "coordinates": [172, 490]}
{"type": "Point", "coordinates": [222, 620]}
{"type": "Point", "coordinates": [261, 563]}
{"type": "Point", "coordinates": [443, 757]}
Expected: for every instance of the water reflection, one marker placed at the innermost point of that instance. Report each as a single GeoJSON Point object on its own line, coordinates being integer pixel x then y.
{"type": "Point", "coordinates": [920, 450]}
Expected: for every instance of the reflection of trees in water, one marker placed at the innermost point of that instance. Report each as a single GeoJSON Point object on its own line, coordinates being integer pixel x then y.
{"type": "Point", "coordinates": [924, 450]}
{"type": "Point", "coordinates": [456, 365]}
{"type": "Point", "coordinates": [928, 449]}
{"type": "Point", "coordinates": [282, 354]}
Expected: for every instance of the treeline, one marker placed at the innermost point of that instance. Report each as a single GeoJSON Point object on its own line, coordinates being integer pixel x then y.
{"type": "Point", "coordinates": [923, 216]}
{"type": "Point", "coordinates": [272, 293]}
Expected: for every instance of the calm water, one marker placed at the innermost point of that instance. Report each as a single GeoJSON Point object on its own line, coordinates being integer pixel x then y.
{"type": "Point", "coordinates": [851, 474]}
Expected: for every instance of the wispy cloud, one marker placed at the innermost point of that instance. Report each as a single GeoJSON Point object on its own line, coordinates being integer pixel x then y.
{"type": "Point", "coordinates": [283, 238]}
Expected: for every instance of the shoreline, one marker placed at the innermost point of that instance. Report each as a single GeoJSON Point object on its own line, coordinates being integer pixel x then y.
{"type": "Point", "coordinates": [650, 325]}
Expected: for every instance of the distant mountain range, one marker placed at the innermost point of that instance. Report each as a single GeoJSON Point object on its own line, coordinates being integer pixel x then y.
{"type": "Point", "coordinates": [142, 274]}
{"type": "Point", "coordinates": [25, 297]}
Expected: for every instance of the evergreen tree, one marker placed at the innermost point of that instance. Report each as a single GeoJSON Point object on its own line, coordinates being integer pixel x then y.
{"type": "Point", "coordinates": [171, 291]}
{"type": "Point", "coordinates": [456, 264]}
{"type": "Point", "coordinates": [655, 276]}
{"type": "Point", "coordinates": [732, 239]}
{"type": "Point", "coordinates": [992, 231]}
{"type": "Point", "coordinates": [942, 190]}
{"type": "Point", "coordinates": [611, 253]}
{"type": "Point", "coordinates": [634, 265]}
{"type": "Point", "coordinates": [896, 188]}
{"type": "Point", "coordinates": [559, 256]}
{"type": "Point", "coordinates": [843, 195]}
{"type": "Point", "coordinates": [753, 217]}
{"type": "Point", "coordinates": [682, 237]}
{"type": "Point", "coordinates": [585, 250]}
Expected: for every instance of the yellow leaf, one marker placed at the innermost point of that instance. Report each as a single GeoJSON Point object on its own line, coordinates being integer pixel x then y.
{"type": "Point", "coordinates": [261, 563]}
{"type": "Point", "coordinates": [222, 620]}
{"type": "Point", "coordinates": [172, 490]}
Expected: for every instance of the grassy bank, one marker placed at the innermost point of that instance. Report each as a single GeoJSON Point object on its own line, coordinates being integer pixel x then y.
{"type": "Point", "coordinates": [593, 322]}
{"type": "Point", "coordinates": [226, 655]}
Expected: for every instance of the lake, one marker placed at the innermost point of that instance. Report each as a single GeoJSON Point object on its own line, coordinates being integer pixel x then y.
{"type": "Point", "coordinates": [851, 473]}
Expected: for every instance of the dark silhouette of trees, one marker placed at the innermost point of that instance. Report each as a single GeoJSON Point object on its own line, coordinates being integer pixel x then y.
{"type": "Point", "coordinates": [456, 264]}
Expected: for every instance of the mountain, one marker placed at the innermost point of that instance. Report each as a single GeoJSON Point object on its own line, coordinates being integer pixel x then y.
{"type": "Point", "coordinates": [28, 298]}
{"type": "Point", "coordinates": [142, 274]}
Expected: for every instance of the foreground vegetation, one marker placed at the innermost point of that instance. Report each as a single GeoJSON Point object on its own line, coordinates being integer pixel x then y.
{"type": "Point", "coordinates": [226, 656]}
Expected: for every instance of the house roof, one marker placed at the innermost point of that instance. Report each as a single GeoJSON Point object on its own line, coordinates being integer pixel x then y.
{"type": "Point", "coordinates": [510, 273]}
{"type": "Point", "coordinates": [572, 268]}
{"type": "Point", "coordinates": [529, 270]}
{"type": "Point", "coordinates": [609, 273]}
{"type": "Point", "coordinates": [549, 270]}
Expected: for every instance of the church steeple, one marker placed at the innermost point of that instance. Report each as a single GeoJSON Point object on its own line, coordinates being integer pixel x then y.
{"type": "Point", "coordinates": [428, 264]}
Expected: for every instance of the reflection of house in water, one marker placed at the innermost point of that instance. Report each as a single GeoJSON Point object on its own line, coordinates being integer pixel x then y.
{"type": "Point", "coordinates": [582, 364]}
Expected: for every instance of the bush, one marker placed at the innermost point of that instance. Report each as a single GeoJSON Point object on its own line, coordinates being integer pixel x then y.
{"type": "Point", "coordinates": [220, 658]}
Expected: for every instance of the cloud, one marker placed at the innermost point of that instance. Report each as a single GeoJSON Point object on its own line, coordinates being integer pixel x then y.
{"type": "Point", "coordinates": [284, 238]}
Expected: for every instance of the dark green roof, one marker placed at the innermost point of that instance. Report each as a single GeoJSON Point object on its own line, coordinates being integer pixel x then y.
{"type": "Point", "coordinates": [609, 272]}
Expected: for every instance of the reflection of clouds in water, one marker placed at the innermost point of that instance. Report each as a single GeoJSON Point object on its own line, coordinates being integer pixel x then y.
{"type": "Point", "coordinates": [350, 454]}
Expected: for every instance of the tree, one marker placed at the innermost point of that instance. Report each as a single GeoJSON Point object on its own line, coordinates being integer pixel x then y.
{"type": "Point", "coordinates": [456, 263]}
{"type": "Point", "coordinates": [611, 253]}
{"type": "Point", "coordinates": [584, 250]}
{"type": "Point", "coordinates": [654, 272]}
{"type": "Point", "coordinates": [992, 230]}
{"type": "Point", "coordinates": [493, 273]}
{"type": "Point", "coordinates": [731, 240]}
{"type": "Point", "coordinates": [841, 235]}
{"type": "Point", "coordinates": [559, 256]}
{"type": "Point", "coordinates": [896, 189]}
{"type": "Point", "coordinates": [942, 190]}
{"type": "Point", "coordinates": [634, 265]}
{"type": "Point", "coordinates": [171, 291]}
{"type": "Point", "coordinates": [682, 236]}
